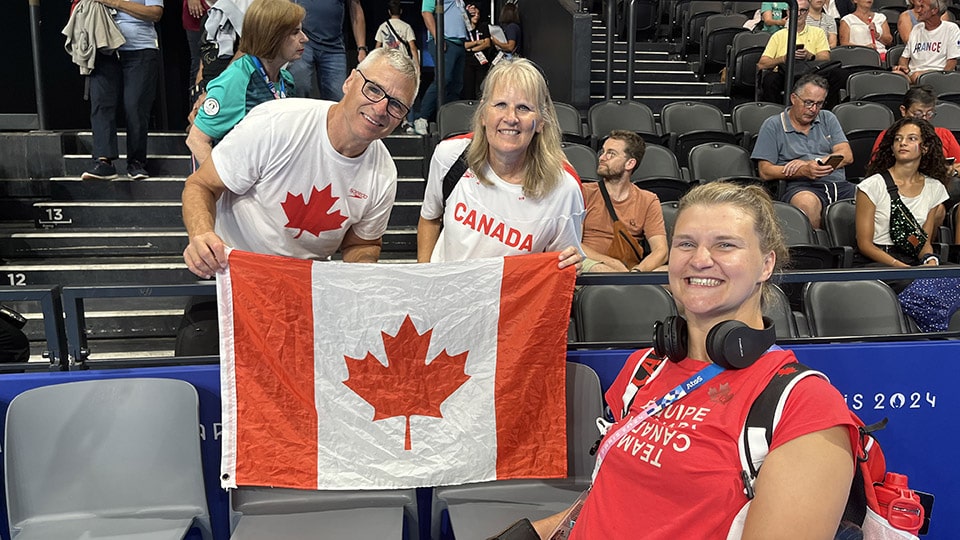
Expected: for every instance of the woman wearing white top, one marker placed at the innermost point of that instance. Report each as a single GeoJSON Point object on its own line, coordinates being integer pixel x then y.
{"type": "Point", "coordinates": [866, 28]}
{"type": "Point", "coordinates": [912, 153]}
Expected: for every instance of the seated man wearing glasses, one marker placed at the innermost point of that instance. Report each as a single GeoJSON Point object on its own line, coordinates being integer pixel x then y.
{"type": "Point", "coordinates": [304, 178]}
{"type": "Point", "coordinates": [812, 51]}
{"type": "Point", "coordinates": [796, 145]}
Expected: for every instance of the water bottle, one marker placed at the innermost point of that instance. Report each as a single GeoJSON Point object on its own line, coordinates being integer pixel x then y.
{"type": "Point", "coordinates": [899, 504]}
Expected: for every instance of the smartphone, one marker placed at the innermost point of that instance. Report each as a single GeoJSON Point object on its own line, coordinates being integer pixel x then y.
{"type": "Point", "coordinates": [799, 46]}
{"type": "Point", "coordinates": [833, 161]}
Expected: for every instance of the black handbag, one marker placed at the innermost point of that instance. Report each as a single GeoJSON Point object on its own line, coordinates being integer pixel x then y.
{"type": "Point", "coordinates": [906, 233]}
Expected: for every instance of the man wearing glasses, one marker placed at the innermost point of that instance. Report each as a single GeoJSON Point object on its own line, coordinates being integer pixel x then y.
{"type": "Point", "coordinates": [304, 178]}
{"type": "Point", "coordinates": [811, 51]}
{"type": "Point", "coordinates": [796, 146]}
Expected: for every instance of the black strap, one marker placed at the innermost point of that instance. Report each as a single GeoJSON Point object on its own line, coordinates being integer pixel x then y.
{"type": "Point", "coordinates": [454, 174]}
{"type": "Point", "coordinates": [895, 200]}
{"type": "Point", "coordinates": [396, 35]}
{"type": "Point", "coordinates": [606, 199]}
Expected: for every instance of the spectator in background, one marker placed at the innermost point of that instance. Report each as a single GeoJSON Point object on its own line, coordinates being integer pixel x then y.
{"type": "Point", "coordinates": [479, 47]}
{"type": "Point", "coordinates": [909, 18]}
{"type": "Point", "coordinates": [773, 15]}
{"type": "Point", "coordinates": [191, 16]}
{"type": "Point", "coordinates": [637, 209]}
{"type": "Point", "coordinates": [273, 36]}
{"type": "Point", "coordinates": [911, 154]}
{"type": "Point", "coordinates": [324, 60]}
{"type": "Point", "coordinates": [219, 45]}
{"type": "Point", "coordinates": [866, 28]}
{"type": "Point", "coordinates": [394, 33]}
{"type": "Point", "coordinates": [513, 195]}
{"type": "Point", "coordinates": [132, 71]}
{"type": "Point", "coordinates": [934, 44]}
{"type": "Point", "coordinates": [792, 145]}
{"type": "Point", "coordinates": [456, 24]}
{"type": "Point", "coordinates": [510, 24]}
{"type": "Point", "coordinates": [816, 17]}
{"type": "Point", "coordinates": [921, 102]}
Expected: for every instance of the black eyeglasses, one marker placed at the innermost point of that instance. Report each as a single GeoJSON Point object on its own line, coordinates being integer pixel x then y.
{"type": "Point", "coordinates": [375, 94]}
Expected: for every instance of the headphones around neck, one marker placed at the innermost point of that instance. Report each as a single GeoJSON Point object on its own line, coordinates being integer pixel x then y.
{"type": "Point", "coordinates": [730, 344]}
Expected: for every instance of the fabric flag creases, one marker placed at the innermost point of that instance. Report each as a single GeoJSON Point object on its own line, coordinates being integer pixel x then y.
{"type": "Point", "coordinates": [380, 376]}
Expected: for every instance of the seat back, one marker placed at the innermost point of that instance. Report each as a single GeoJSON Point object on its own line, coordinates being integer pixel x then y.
{"type": "Point", "coordinates": [658, 162]}
{"type": "Point", "coordinates": [584, 406]}
{"type": "Point", "coordinates": [856, 56]}
{"type": "Point", "coordinates": [840, 221]}
{"type": "Point", "coordinates": [711, 161]}
{"type": "Point", "coordinates": [893, 54]}
{"type": "Point", "coordinates": [745, 50]}
{"type": "Point", "coordinates": [606, 116]}
{"type": "Point", "coordinates": [610, 313]}
{"type": "Point", "coordinates": [796, 227]}
{"type": "Point", "coordinates": [854, 115]}
{"type": "Point", "coordinates": [694, 20]}
{"type": "Point", "coordinates": [861, 144]}
{"type": "Point", "coordinates": [583, 159]}
{"type": "Point", "coordinates": [456, 118]}
{"type": "Point", "coordinates": [669, 210]}
{"type": "Point", "coordinates": [105, 449]}
{"type": "Point", "coordinates": [948, 116]}
{"type": "Point", "coordinates": [776, 306]}
{"type": "Point", "coordinates": [666, 189]}
{"type": "Point", "coordinates": [571, 126]}
{"type": "Point", "coordinates": [853, 308]}
{"type": "Point", "coordinates": [867, 83]}
{"type": "Point", "coordinates": [718, 32]}
{"type": "Point", "coordinates": [685, 116]}
{"type": "Point", "coordinates": [748, 117]}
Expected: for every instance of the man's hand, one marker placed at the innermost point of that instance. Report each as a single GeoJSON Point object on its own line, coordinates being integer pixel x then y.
{"type": "Point", "coordinates": [813, 169]}
{"type": "Point", "coordinates": [195, 8]}
{"type": "Point", "coordinates": [802, 54]}
{"type": "Point", "coordinates": [570, 256]}
{"type": "Point", "coordinates": [206, 254]}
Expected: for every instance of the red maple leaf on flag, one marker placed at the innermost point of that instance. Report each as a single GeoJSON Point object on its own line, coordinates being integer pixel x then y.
{"type": "Point", "coordinates": [407, 386]}
{"type": "Point", "coordinates": [314, 216]}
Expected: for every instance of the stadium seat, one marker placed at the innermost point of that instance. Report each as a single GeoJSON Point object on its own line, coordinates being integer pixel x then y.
{"type": "Point", "coordinates": [669, 210]}
{"type": "Point", "coordinates": [693, 21]}
{"type": "Point", "coordinates": [748, 117]}
{"type": "Point", "coordinates": [853, 308]}
{"type": "Point", "coordinates": [945, 84]}
{"type": "Point", "coordinates": [855, 58]}
{"type": "Point", "coordinates": [878, 86]}
{"type": "Point", "coordinates": [607, 313]}
{"type": "Point", "coordinates": [948, 116]}
{"type": "Point", "coordinates": [571, 126]}
{"type": "Point", "coordinates": [658, 162]}
{"type": "Point", "coordinates": [716, 35]}
{"type": "Point", "coordinates": [687, 124]}
{"type": "Point", "coordinates": [583, 159]}
{"type": "Point", "coordinates": [857, 115]}
{"type": "Point", "coordinates": [893, 54]}
{"type": "Point", "coordinates": [456, 118]}
{"type": "Point", "coordinates": [106, 458]}
{"type": "Point", "coordinates": [263, 512]}
{"type": "Point", "coordinates": [479, 511]}
{"type": "Point", "coordinates": [779, 311]}
{"type": "Point", "coordinates": [719, 161]}
{"type": "Point", "coordinates": [742, 57]}
{"type": "Point", "coordinates": [861, 144]}
{"type": "Point", "coordinates": [606, 116]}
{"type": "Point", "coordinates": [840, 221]}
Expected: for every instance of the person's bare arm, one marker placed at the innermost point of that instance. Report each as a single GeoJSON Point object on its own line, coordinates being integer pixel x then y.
{"type": "Point", "coordinates": [844, 150]}
{"type": "Point", "coordinates": [505, 46]}
{"type": "Point", "coordinates": [904, 26]}
{"type": "Point", "coordinates": [769, 62]}
{"type": "Point", "coordinates": [354, 249]}
{"type": "Point", "coordinates": [885, 36]}
{"type": "Point", "coordinates": [199, 143]}
{"type": "Point", "coordinates": [844, 31]}
{"type": "Point", "coordinates": [614, 264]}
{"type": "Point", "coordinates": [547, 525]}
{"type": "Point", "coordinates": [139, 11]}
{"type": "Point", "coordinates": [206, 252]}
{"type": "Point", "coordinates": [831, 38]}
{"type": "Point", "coordinates": [358, 23]}
{"type": "Point", "coordinates": [768, 19]}
{"type": "Point", "coordinates": [657, 256]}
{"type": "Point", "coordinates": [428, 233]}
{"type": "Point", "coordinates": [802, 488]}
{"type": "Point", "coordinates": [822, 56]}
{"type": "Point", "coordinates": [431, 23]}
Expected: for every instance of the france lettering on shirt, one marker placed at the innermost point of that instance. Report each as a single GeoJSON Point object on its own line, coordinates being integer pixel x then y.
{"type": "Point", "coordinates": [488, 226]}
{"type": "Point", "coordinates": [925, 46]}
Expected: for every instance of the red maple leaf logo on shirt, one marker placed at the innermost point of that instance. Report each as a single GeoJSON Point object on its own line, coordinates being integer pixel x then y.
{"type": "Point", "coordinates": [314, 216]}
{"type": "Point", "coordinates": [407, 386]}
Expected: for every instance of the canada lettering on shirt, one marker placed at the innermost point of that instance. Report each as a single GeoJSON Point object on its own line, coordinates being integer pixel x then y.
{"type": "Point", "coordinates": [489, 226]}
{"type": "Point", "coordinates": [664, 431]}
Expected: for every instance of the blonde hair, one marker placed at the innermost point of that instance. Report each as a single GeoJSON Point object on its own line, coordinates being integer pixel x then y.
{"type": "Point", "coordinates": [756, 202]}
{"type": "Point", "coordinates": [544, 158]}
{"type": "Point", "coordinates": [267, 24]}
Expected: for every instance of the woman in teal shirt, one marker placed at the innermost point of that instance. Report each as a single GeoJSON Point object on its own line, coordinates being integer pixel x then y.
{"type": "Point", "coordinates": [774, 16]}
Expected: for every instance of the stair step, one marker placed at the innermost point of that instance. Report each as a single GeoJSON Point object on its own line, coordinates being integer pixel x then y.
{"type": "Point", "coordinates": [410, 189]}
{"type": "Point", "coordinates": [61, 244]}
{"type": "Point", "coordinates": [156, 188]}
{"type": "Point", "coordinates": [664, 89]}
{"type": "Point", "coordinates": [104, 271]}
{"type": "Point", "coordinates": [641, 65]}
{"type": "Point", "coordinates": [102, 214]}
{"type": "Point", "coordinates": [620, 75]}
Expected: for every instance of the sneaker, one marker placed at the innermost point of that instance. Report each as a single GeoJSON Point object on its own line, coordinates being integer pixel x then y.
{"type": "Point", "coordinates": [136, 171]}
{"type": "Point", "coordinates": [420, 126]}
{"type": "Point", "coordinates": [102, 170]}
{"type": "Point", "coordinates": [410, 130]}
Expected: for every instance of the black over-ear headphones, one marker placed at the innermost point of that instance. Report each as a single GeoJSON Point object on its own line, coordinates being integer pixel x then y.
{"type": "Point", "coordinates": [730, 344]}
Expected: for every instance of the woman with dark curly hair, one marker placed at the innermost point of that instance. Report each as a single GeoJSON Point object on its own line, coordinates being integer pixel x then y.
{"type": "Point", "coordinates": [912, 155]}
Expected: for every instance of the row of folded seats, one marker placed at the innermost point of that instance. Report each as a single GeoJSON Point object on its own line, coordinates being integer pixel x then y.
{"type": "Point", "coordinates": [126, 462]}
{"type": "Point", "coordinates": [625, 314]}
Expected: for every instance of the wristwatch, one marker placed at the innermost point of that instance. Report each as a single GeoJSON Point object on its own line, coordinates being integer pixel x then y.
{"type": "Point", "coordinates": [363, 48]}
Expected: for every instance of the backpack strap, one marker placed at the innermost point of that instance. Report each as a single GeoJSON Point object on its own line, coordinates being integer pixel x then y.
{"type": "Point", "coordinates": [454, 173]}
{"type": "Point", "coordinates": [764, 415]}
{"type": "Point", "coordinates": [400, 39]}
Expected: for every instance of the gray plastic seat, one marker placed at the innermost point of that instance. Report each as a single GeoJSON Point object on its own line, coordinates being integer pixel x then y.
{"type": "Point", "coordinates": [688, 124]}
{"type": "Point", "coordinates": [583, 159]}
{"type": "Point", "coordinates": [948, 116]}
{"type": "Point", "coordinates": [946, 84]}
{"type": "Point", "coordinates": [779, 311]}
{"type": "Point", "coordinates": [606, 116]}
{"type": "Point", "coordinates": [714, 161]}
{"type": "Point", "coordinates": [571, 126]}
{"type": "Point", "coordinates": [669, 210]}
{"type": "Point", "coordinates": [859, 115]}
{"type": "Point", "coordinates": [109, 458]}
{"type": "Point", "coordinates": [856, 57]}
{"type": "Point", "coordinates": [291, 514]}
{"type": "Point", "coordinates": [867, 83]}
{"type": "Point", "coordinates": [853, 308]}
{"type": "Point", "coordinates": [742, 56]}
{"type": "Point", "coordinates": [456, 118]}
{"type": "Point", "coordinates": [839, 219]}
{"type": "Point", "coordinates": [747, 118]}
{"type": "Point", "coordinates": [658, 162]}
{"type": "Point", "coordinates": [610, 313]}
{"type": "Point", "coordinates": [479, 511]}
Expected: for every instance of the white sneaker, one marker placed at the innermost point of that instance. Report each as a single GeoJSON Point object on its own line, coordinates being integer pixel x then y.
{"type": "Point", "coordinates": [420, 126]}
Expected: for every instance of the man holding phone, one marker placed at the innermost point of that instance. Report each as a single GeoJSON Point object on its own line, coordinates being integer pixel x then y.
{"type": "Point", "coordinates": [805, 146]}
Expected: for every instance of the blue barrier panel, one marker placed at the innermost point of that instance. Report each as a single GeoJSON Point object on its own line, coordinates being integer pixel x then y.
{"type": "Point", "coordinates": [905, 382]}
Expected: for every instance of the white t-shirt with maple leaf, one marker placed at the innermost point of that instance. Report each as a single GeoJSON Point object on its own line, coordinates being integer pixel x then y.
{"type": "Point", "coordinates": [496, 220]}
{"type": "Point", "coordinates": [289, 192]}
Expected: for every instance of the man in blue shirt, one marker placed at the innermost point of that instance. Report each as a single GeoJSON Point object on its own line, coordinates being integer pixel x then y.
{"type": "Point", "coordinates": [455, 21]}
{"type": "Point", "coordinates": [324, 54]}
{"type": "Point", "coordinates": [794, 146]}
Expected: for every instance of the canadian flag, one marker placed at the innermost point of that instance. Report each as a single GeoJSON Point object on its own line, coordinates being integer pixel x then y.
{"type": "Point", "coordinates": [369, 376]}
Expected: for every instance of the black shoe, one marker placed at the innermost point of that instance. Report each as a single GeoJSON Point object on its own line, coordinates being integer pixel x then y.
{"type": "Point", "coordinates": [102, 170]}
{"type": "Point", "coordinates": [136, 171]}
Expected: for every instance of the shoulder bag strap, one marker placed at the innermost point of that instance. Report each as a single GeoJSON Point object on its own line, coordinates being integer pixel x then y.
{"type": "Point", "coordinates": [607, 201]}
{"type": "Point", "coordinates": [454, 174]}
{"type": "Point", "coordinates": [397, 35]}
{"type": "Point", "coordinates": [895, 201]}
